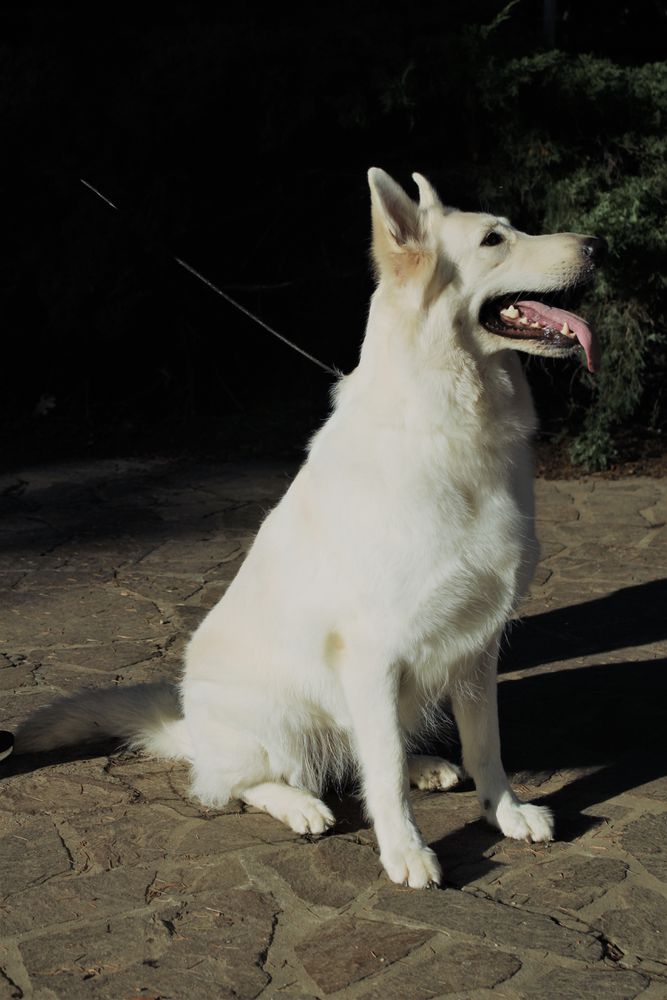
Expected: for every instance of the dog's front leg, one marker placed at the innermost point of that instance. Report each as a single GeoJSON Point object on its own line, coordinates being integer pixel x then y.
{"type": "Point", "coordinates": [476, 713]}
{"type": "Point", "coordinates": [372, 701]}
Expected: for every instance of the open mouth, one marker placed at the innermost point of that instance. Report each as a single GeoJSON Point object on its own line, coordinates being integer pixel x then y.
{"type": "Point", "coordinates": [519, 316]}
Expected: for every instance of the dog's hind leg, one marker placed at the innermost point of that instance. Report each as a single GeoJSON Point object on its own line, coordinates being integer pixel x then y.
{"type": "Point", "coordinates": [476, 713]}
{"type": "Point", "coordinates": [232, 761]}
{"type": "Point", "coordinates": [295, 807]}
{"type": "Point", "coordinates": [433, 774]}
{"type": "Point", "coordinates": [226, 756]}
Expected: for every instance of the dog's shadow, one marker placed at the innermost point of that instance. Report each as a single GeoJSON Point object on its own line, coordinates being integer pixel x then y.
{"type": "Point", "coordinates": [605, 720]}
{"type": "Point", "coordinates": [608, 716]}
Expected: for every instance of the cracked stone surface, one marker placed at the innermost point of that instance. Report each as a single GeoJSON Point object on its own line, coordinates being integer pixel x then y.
{"type": "Point", "coordinates": [115, 884]}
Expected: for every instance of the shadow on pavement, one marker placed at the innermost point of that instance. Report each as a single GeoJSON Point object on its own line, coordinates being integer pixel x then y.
{"type": "Point", "coordinates": [110, 501]}
{"type": "Point", "coordinates": [605, 720]}
{"type": "Point", "coordinates": [631, 616]}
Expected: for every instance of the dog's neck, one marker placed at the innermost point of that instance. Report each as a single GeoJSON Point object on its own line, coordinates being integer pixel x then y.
{"type": "Point", "coordinates": [415, 370]}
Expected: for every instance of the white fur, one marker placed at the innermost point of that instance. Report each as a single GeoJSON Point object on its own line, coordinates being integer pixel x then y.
{"type": "Point", "coordinates": [383, 579]}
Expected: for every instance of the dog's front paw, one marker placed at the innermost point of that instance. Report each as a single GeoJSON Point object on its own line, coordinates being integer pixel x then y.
{"type": "Point", "coordinates": [523, 821]}
{"type": "Point", "coordinates": [309, 817]}
{"type": "Point", "coordinates": [433, 774]}
{"type": "Point", "coordinates": [416, 866]}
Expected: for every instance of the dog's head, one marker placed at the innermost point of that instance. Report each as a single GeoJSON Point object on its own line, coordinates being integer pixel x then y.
{"type": "Point", "coordinates": [474, 276]}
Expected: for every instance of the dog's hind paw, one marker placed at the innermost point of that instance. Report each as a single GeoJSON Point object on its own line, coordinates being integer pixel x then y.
{"type": "Point", "coordinates": [523, 821]}
{"type": "Point", "coordinates": [416, 867]}
{"type": "Point", "coordinates": [433, 774]}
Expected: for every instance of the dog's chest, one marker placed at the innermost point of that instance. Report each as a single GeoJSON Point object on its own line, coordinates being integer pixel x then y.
{"type": "Point", "coordinates": [473, 554]}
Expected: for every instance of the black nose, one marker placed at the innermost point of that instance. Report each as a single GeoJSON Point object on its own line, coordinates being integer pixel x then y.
{"type": "Point", "coordinates": [594, 248]}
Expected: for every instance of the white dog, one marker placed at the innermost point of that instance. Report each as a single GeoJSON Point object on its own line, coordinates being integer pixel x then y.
{"type": "Point", "coordinates": [382, 581]}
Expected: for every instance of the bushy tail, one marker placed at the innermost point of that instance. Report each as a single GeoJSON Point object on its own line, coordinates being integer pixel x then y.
{"type": "Point", "coordinates": [144, 717]}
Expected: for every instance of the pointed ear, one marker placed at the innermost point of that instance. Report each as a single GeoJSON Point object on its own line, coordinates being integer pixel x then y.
{"type": "Point", "coordinates": [428, 197]}
{"type": "Point", "coordinates": [399, 240]}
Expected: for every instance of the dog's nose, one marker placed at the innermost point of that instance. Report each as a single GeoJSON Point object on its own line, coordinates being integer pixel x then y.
{"type": "Point", "coordinates": [594, 248]}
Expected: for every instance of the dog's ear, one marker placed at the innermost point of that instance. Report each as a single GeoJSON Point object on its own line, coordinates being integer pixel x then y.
{"type": "Point", "coordinates": [400, 243]}
{"type": "Point", "coordinates": [428, 197]}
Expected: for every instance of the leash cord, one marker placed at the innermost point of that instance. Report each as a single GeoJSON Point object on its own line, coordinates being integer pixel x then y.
{"type": "Point", "coordinates": [214, 288]}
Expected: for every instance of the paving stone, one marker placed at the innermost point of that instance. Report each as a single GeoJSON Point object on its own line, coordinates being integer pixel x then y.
{"type": "Point", "coordinates": [646, 838]}
{"type": "Point", "coordinates": [17, 705]}
{"type": "Point", "coordinates": [226, 934]}
{"type": "Point", "coordinates": [70, 616]}
{"type": "Point", "coordinates": [70, 899]}
{"type": "Point", "coordinates": [14, 981]}
{"type": "Point", "coordinates": [165, 590]}
{"type": "Point", "coordinates": [21, 675]}
{"type": "Point", "coordinates": [611, 570]}
{"type": "Point", "coordinates": [173, 880]}
{"type": "Point", "coordinates": [107, 657]}
{"type": "Point", "coordinates": [8, 990]}
{"type": "Point", "coordinates": [31, 854]}
{"type": "Point", "coordinates": [468, 847]}
{"type": "Point", "coordinates": [656, 789]}
{"type": "Point", "coordinates": [9, 578]}
{"type": "Point", "coordinates": [220, 938]}
{"type": "Point", "coordinates": [221, 833]}
{"type": "Point", "coordinates": [330, 872]}
{"type": "Point", "coordinates": [282, 995]}
{"type": "Point", "coordinates": [463, 913]}
{"type": "Point", "coordinates": [346, 950]}
{"type": "Point", "coordinates": [568, 882]}
{"type": "Point", "coordinates": [64, 678]}
{"type": "Point", "coordinates": [192, 556]}
{"type": "Point", "coordinates": [70, 956]}
{"type": "Point", "coordinates": [150, 981]}
{"type": "Point", "coordinates": [212, 592]}
{"type": "Point", "coordinates": [639, 928]}
{"type": "Point", "coordinates": [50, 791]}
{"type": "Point", "coordinates": [555, 508]}
{"type": "Point", "coordinates": [459, 968]}
{"type": "Point", "coordinates": [75, 898]}
{"type": "Point", "coordinates": [448, 817]}
{"type": "Point", "coordinates": [142, 835]}
{"type": "Point", "coordinates": [147, 833]}
{"type": "Point", "coordinates": [569, 984]}
{"type": "Point", "coordinates": [186, 617]}
{"type": "Point", "coordinates": [160, 782]}
{"type": "Point", "coordinates": [77, 572]}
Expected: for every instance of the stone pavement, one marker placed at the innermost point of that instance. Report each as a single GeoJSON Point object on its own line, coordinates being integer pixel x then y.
{"type": "Point", "coordinates": [113, 884]}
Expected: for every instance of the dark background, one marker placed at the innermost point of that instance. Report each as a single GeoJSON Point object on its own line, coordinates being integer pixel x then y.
{"type": "Point", "coordinates": [238, 136]}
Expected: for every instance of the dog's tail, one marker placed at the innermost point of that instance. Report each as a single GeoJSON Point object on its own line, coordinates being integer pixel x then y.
{"type": "Point", "coordinates": [143, 717]}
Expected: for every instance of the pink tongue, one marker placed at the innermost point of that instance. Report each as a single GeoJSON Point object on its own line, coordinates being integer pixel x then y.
{"type": "Point", "coordinates": [548, 316]}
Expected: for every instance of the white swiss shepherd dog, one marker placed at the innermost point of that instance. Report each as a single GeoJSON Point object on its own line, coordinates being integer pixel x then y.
{"type": "Point", "coordinates": [381, 583]}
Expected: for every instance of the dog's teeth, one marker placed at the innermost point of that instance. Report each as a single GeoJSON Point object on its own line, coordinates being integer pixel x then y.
{"type": "Point", "coordinates": [510, 313]}
{"type": "Point", "coordinates": [566, 330]}
{"type": "Point", "coordinates": [524, 321]}
{"type": "Point", "coordinates": [535, 326]}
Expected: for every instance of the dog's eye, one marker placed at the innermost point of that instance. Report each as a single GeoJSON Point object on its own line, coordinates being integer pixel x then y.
{"type": "Point", "coordinates": [492, 239]}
